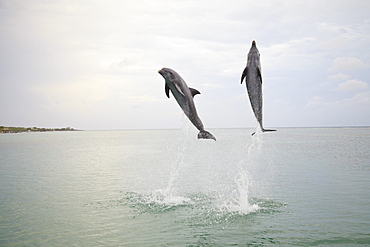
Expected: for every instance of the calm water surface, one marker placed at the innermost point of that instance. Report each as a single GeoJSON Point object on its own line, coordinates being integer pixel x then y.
{"type": "Point", "coordinates": [293, 187]}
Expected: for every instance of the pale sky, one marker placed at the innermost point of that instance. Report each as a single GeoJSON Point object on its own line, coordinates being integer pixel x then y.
{"type": "Point", "coordinates": [93, 64]}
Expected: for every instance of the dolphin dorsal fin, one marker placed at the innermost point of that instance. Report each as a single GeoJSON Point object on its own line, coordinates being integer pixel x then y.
{"type": "Point", "coordinates": [193, 91]}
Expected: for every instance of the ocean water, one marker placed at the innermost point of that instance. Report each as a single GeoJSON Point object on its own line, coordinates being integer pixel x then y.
{"type": "Point", "coordinates": [293, 187]}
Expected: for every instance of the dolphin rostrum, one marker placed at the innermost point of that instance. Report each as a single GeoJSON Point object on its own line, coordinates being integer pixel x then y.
{"type": "Point", "coordinates": [253, 80]}
{"type": "Point", "coordinates": [184, 97]}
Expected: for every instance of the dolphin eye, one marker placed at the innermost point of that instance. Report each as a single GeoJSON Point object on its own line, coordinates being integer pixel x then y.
{"type": "Point", "coordinates": [171, 75]}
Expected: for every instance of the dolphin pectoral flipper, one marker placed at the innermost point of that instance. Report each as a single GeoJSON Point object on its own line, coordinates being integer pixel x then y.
{"type": "Point", "coordinates": [259, 73]}
{"type": "Point", "coordinates": [167, 89]}
{"type": "Point", "coordinates": [244, 74]}
{"type": "Point", "coordinates": [193, 91]}
{"type": "Point", "coordinates": [179, 90]}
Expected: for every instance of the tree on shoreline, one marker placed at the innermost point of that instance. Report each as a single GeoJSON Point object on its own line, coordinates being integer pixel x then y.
{"type": "Point", "coordinates": [4, 129]}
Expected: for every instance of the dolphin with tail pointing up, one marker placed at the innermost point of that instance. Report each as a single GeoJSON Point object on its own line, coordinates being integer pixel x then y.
{"type": "Point", "coordinates": [184, 97]}
{"type": "Point", "coordinates": [253, 80]}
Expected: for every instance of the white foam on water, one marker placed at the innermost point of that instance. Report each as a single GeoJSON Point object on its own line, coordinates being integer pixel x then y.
{"type": "Point", "coordinates": [163, 197]}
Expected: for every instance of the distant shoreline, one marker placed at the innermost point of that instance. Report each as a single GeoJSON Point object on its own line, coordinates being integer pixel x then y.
{"type": "Point", "coordinates": [5, 129]}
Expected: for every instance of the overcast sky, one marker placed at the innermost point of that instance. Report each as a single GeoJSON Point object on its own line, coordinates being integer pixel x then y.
{"type": "Point", "coordinates": [93, 64]}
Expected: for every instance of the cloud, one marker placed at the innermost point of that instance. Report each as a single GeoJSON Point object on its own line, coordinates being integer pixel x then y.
{"type": "Point", "coordinates": [359, 101]}
{"type": "Point", "coordinates": [352, 85]}
{"type": "Point", "coordinates": [295, 54]}
{"type": "Point", "coordinates": [334, 43]}
{"type": "Point", "coordinates": [344, 32]}
{"type": "Point", "coordinates": [344, 112]}
{"type": "Point", "coordinates": [78, 95]}
{"type": "Point", "coordinates": [347, 63]}
{"type": "Point", "coordinates": [339, 76]}
{"type": "Point", "coordinates": [289, 47]}
{"type": "Point", "coordinates": [314, 101]}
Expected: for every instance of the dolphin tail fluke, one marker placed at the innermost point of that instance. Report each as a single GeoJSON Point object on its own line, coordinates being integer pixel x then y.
{"type": "Point", "coordinates": [267, 130]}
{"type": "Point", "coordinates": [203, 134]}
{"type": "Point", "coordinates": [264, 130]}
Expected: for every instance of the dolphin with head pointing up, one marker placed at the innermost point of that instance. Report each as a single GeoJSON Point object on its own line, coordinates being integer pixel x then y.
{"type": "Point", "coordinates": [184, 97]}
{"type": "Point", "coordinates": [253, 80]}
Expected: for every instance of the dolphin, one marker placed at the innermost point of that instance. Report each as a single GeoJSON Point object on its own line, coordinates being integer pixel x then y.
{"type": "Point", "coordinates": [253, 80]}
{"type": "Point", "coordinates": [184, 97]}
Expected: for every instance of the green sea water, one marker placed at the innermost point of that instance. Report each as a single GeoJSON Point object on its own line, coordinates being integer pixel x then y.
{"type": "Point", "coordinates": [293, 187]}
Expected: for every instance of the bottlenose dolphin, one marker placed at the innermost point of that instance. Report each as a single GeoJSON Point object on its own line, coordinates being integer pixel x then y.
{"type": "Point", "coordinates": [253, 80]}
{"type": "Point", "coordinates": [184, 97]}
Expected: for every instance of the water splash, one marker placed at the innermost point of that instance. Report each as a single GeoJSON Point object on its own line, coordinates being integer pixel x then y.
{"type": "Point", "coordinates": [168, 196]}
{"type": "Point", "coordinates": [233, 200]}
{"type": "Point", "coordinates": [240, 201]}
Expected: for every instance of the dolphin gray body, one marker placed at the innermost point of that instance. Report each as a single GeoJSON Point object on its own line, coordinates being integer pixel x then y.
{"type": "Point", "coordinates": [184, 97]}
{"type": "Point", "coordinates": [253, 80]}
